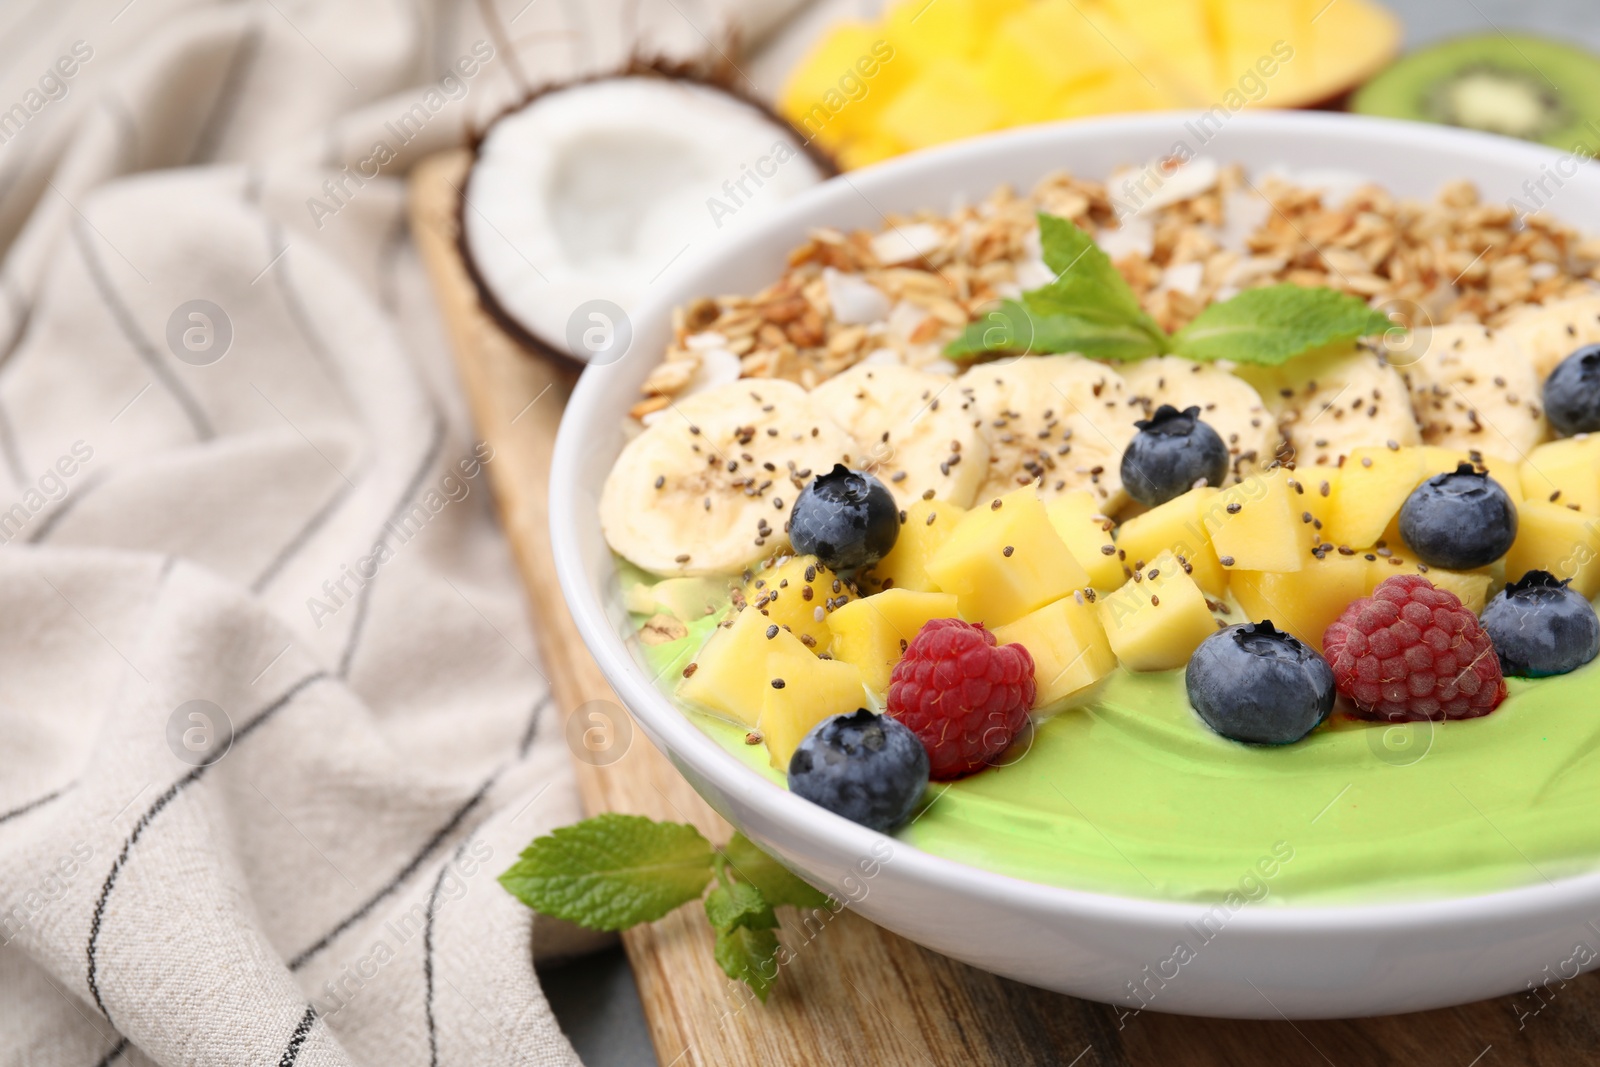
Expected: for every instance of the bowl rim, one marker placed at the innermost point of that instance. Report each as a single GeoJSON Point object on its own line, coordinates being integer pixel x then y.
{"type": "Point", "coordinates": [684, 742]}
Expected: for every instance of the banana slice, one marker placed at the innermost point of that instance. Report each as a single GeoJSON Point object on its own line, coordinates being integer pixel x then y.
{"type": "Point", "coordinates": [1550, 333]}
{"type": "Point", "coordinates": [1062, 421]}
{"type": "Point", "coordinates": [1470, 390]}
{"type": "Point", "coordinates": [706, 489]}
{"type": "Point", "coordinates": [1332, 402]}
{"type": "Point", "coordinates": [915, 435]}
{"type": "Point", "coordinates": [1229, 404]}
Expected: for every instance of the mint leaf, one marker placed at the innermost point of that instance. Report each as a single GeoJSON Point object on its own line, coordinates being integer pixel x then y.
{"type": "Point", "coordinates": [739, 905]}
{"type": "Point", "coordinates": [1087, 286]}
{"type": "Point", "coordinates": [776, 884]}
{"type": "Point", "coordinates": [1013, 328]}
{"type": "Point", "coordinates": [612, 871]}
{"type": "Point", "coordinates": [749, 956]}
{"type": "Point", "coordinates": [1272, 325]}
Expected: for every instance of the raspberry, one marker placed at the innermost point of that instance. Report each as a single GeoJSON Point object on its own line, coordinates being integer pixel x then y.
{"type": "Point", "coordinates": [962, 695]}
{"type": "Point", "coordinates": [1411, 651]}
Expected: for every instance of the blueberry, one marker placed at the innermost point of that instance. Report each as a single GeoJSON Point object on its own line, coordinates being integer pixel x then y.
{"type": "Point", "coordinates": [846, 518]}
{"type": "Point", "coordinates": [1256, 684]}
{"type": "Point", "coordinates": [1459, 520]}
{"type": "Point", "coordinates": [1171, 452]}
{"type": "Point", "coordinates": [869, 768]}
{"type": "Point", "coordinates": [1572, 393]}
{"type": "Point", "coordinates": [1540, 627]}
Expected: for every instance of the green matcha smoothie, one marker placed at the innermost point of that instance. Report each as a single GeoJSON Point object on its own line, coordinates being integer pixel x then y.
{"type": "Point", "coordinates": [1130, 794]}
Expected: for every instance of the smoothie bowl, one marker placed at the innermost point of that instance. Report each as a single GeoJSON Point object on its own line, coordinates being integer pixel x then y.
{"type": "Point", "coordinates": [1154, 419]}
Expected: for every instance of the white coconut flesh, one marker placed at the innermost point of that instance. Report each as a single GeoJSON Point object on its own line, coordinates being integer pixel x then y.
{"type": "Point", "coordinates": [597, 191]}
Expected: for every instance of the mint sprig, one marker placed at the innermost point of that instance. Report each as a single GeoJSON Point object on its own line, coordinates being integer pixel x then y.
{"type": "Point", "coordinates": [1090, 309]}
{"type": "Point", "coordinates": [615, 871]}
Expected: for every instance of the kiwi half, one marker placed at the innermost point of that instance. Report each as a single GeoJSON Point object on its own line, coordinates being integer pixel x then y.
{"type": "Point", "coordinates": [1519, 86]}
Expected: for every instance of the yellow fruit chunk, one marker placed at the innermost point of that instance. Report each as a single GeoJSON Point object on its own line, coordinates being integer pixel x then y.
{"type": "Point", "coordinates": [812, 690]}
{"type": "Point", "coordinates": [1371, 487]}
{"type": "Point", "coordinates": [1038, 53]}
{"type": "Point", "coordinates": [1068, 645]}
{"type": "Point", "coordinates": [854, 155]}
{"type": "Point", "coordinates": [945, 31]}
{"type": "Point", "coordinates": [1555, 539]}
{"type": "Point", "coordinates": [1570, 468]}
{"type": "Point", "coordinates": [1259, 524]}
{"type": "Point", "coordinates": [873, 632]}
{"type": "Point", "coordinates": [1436, 460]}
{"type": "Point", "coordinates": [1178, 526]}
{"type": "Point", "coordinates": [944, 104]}
{"type": "Point", "coordinates": [1303, 603]}
{"type": "Point", "coordinates": [1005, 559]}
{"type": "Point", "coordinates": [841, 87]}
{"type": "Point", "coordinates": [1178, 32]}
{"type": "Point", "coordinates": [1472, 587]}
{"type": "Point", "coordinates": [928, 525]}
{"type": "Point", "coordinates": [797, 595]}
{"type": "Point", "coordinates": [731, 677]}
{"type": "Point", "coordinates": [1315, 492]}
{"type": "Point", "coordinates": [1155, 624]}
{"type": "Point", "coordinates": [1081, 525]}
{"type": "Point", "coordinates": [1349, 42]}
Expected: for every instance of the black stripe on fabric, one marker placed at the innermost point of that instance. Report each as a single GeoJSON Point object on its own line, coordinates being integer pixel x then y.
{"type": "Point", "coordinates": [319, 519]}
{"type": "Point", "coordinates": [399, 879]}
{"type": "Point", "coordinates": [43, 530]}
{"type": "Point", "coordinates": [136, 338]}
{"type": "Point", "coordinates": [228, 94]}
{"type": "Point", "coordinates": [435, 446]}
{"type": "Point", "coordinates": [427, 954]}
{"type": "Point", "coordinates": [116, 1050]}
{"type": "Point", "coordinates": [155, 809]}
{"type": "Point", "coordinates": [532, 730]}
{"type": "Point", "coordinates": [298, 1038]}
{"type": "Point", "coordinates": [6, 817]}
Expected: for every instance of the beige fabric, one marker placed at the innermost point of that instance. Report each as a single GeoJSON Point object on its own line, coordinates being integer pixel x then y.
{"type": "Point", "coordinates": [298, 533]}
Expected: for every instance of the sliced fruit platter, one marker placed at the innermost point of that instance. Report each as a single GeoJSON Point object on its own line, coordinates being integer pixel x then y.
{"type": "Point", "coordinates": [1122, 575]}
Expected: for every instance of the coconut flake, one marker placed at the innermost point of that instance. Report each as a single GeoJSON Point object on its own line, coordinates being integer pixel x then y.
{"type": "Point", "coordinates": [717, 367]}
{"type": "Point", "coordinates": [1148, 189]}
{"type": "Point", "coordinates": [855, 301]}
{"type": "Point", "coordinates": [1136, 236]}
{"type": "Point", "coordinates": [1243, 212]}
{"type": "Point", "coordinates": [705, 342]}
{"type": "Point", "coordinates": [1183, 278]}
{"type": "Point", "coordinates": [883, 357]}
{"type": "Point", "coordinates": [902, 244]}
{"type": "Point", "coordinates": [1032, 273]}
{"type": "Point", "coordinates": [904, 319]}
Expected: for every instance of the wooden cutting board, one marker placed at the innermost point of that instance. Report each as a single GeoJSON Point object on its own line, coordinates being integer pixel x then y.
{"type": "Point", "coordinates": [856, 992]}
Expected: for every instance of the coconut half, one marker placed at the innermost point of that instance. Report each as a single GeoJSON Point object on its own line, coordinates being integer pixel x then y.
{"type": "Point", "coordinates": [580, 200]}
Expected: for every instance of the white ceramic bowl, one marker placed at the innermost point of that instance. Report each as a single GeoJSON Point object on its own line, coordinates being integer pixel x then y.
{"type": "Point", "coordinates": [1300, 962]}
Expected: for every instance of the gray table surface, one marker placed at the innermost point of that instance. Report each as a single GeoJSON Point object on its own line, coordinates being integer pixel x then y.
{"type": "Point", "coordinates": [595, 998]}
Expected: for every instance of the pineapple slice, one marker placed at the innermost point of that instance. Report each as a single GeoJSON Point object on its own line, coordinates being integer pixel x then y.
{"type": "Point", "coordinates": [1068, 645]}
{"type": "Point", "coordinates": [1156, 623]}
{"type": "Point", "coordinates": [811, 690]}
{"type": "Point", "coordinates": [798, 594]}
{"type": "Point", "coordinates": [1260, 525]}
{"type": "Point", "coordinates": [1303, 603]}
{"type": "Point", "coordinates": [1556, 539]}
{"type": "Point", "coordinates": [1179, 525]}
{"type": "Point", "coordinates": [1565, 473]}
{"type": "Point", "coordinates": [928, 524]}
{"type": "Point", "coordinates": [1005, 559]}
{"type": "Point", "coordinates": [872, 633]}
{"type": "Point", "coordinates": [1081, 525]}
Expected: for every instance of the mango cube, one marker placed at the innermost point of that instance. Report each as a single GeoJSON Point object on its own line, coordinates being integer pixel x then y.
{"type": "Point", "coordinates": [1081, 525]}
{"type": "Point", "coordinates": [1068, 644]}
{"type": "Point", "coordinates": [1179, 525]}
{"type": "Point", "coordinates": [943, 104]}
{"type": "Point", "coordinates": [1371, 488]}
{"type": "Point", "coordinates": [1005, 559]}
{"type": "Point", "coordinates": [873, 632]}
{"type": "Point", "coordinates": [1260, 524]}
{"type": "Point", "coordinates": [1156, 623]}
{"type": "Point", "coordinates": [1471, 587]}
{"type": "Point", "coordinates": [1303, 603]}
{"type": "Point", "coordinates": [731, 677]}
{"type": "Point", "coordinates": [1041, 51]}
{"type": "Point", "coordinates": [1564, 473]}
{"type": "Point", "coordinates": [796, 595]}
{"type": "Point", "coordinates": [950, 30]}
{"type": "Point", "coordinates": [839, 90]}
{"type": "Point", "coordinates": [1556, 539]}
{"type": "Point", "coordinates": [928, 525]}
{"type": "Point", "coordinates": [812, 689]}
